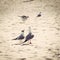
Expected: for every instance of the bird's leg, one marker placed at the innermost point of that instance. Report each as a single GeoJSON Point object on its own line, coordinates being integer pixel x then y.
{"type": "Point", "coordinates": [30, 42]}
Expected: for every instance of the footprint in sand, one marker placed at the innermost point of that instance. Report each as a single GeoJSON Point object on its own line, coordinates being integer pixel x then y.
{"type": "Point", "coordinates": [48, 59]}
{"type": "Point", "coordinates": [21, 59]}
{"type": "Point", "coordinates": [0, 51]}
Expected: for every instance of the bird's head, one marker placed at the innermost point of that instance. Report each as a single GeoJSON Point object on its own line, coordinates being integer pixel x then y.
{"type": "Point", "coordinates": [22, 31]}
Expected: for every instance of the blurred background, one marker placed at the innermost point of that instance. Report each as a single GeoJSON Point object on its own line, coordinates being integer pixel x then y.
{"type": "Point", "coordinates": [46, 29]}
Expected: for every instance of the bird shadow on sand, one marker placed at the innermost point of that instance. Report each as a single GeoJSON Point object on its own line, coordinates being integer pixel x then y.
{"type": "Point", "coordinates": [21, 59]}
{"type": "Point", "coordinates": [21, 44]}
{"type": "Point", "coordinates": [24, 44]}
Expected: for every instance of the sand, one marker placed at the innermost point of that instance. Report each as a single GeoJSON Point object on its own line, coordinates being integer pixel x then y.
{"type": "Point", "coordinates": [46, 29]}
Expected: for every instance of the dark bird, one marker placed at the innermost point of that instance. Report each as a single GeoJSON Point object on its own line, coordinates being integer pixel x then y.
{"type": "Point", "coordinates": [29, 36]}
{"type": "Point", "coordinates": [24, 17]}
{"type": "Point", "coordinates": [39, 15]}
{"type": "Point", "coordinates": [21, 36]}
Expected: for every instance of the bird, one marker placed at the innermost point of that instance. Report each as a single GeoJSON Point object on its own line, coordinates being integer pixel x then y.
{"type": "Point", "coordinates": [29, 36]}
{"type": "Point", "coordinates": [21, 36]}
{"type": "Point", "coordinates": [39, 15]}
{"type": "Point", "coordinates": [24, 17]}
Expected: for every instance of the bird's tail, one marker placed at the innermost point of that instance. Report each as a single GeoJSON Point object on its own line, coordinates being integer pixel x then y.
{"type": "Point", "coordinates": [23, 42]}
{"type": "Point", "coordinates": [15, 39]}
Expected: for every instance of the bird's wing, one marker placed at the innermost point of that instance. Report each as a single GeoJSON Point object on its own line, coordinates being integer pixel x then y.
{"type": "Point", "coordinates": [28, 37]}
{"type": "Point", "coordinates": [20, 36]}
{"type": "Point", "coordinates": [25, 41]}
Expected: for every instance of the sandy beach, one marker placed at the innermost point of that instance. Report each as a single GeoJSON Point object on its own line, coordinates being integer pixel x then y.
{"type": "Point", "coordinates": [46, 29]}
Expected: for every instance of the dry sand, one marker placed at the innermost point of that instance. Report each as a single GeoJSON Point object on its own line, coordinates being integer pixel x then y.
{"type": "Point", "coordinates": [46, 29]}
